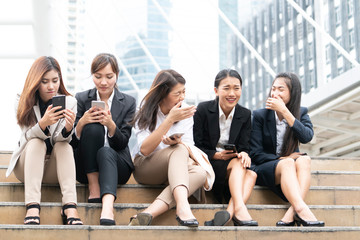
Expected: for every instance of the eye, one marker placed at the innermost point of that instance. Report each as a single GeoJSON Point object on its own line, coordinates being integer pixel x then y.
{"type": "Point", "coordinates": [44, 81]}
{"type": "Point", "coordinates": [97, 76]}
{"type": "Point", "coordinates": [110, 77]}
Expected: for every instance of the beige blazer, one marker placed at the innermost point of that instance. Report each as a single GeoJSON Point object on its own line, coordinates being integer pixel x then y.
{"type": "Point", "coordinates": [28, 133]}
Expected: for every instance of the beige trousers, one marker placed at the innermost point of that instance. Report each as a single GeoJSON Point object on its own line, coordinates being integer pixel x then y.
{"type": "Point", "coordinates": [34, 168]}
{"type": "Point", "coordinates": [170, 165]}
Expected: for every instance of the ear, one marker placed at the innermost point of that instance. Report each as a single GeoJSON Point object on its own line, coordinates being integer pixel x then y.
{"type": "Point", "coordinates": [216, 91]}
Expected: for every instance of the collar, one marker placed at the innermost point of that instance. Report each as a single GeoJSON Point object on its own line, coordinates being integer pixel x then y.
{"type": "Point", "coordinates": [221, 113]}
{"type": "Point", "coordinates": [110, 98]}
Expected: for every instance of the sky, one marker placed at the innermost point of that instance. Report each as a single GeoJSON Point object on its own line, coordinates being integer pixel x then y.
{"type": "Point", "coordinates": [193, 47]}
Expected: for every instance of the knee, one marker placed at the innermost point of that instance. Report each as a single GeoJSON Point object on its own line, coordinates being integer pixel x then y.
{"type": "Point", "coordinates": [286, 163]}
{"type": "Point", "coordinates": [36, 144]}
{"type": "Point", "coordinates": [251, 175]}
{"type": "Point", "coordinates": [102, 154]}
{"type": "Point", "coordinates": [62, 146]}
{"type": "Point", "coordinates": [303, 162]}
{"type": "Point", "coordinates": [180, 149]}
{"type": "Point", "coordinates": [201, 173]}
{"type": "Point", "coordinates": [93, 130]}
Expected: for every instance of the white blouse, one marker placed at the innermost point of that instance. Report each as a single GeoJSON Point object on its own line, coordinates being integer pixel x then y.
{"type": "Point", "coordinates": [184, 126]}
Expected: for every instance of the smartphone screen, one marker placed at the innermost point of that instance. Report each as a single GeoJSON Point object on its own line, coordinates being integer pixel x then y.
{"type": "Point", "coordinates": [59, 101]}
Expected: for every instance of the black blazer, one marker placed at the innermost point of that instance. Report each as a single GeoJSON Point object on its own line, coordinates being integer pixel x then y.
{"type": "Point", "coordinates": [122, 110]}
{"type": "Point", "coordinates": [263, 135]}
{"type": "Point", "coordinates": [207, 130]}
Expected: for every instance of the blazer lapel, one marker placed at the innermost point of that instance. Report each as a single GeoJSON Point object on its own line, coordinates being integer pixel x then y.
{"type": "Point", "coordinates": [213, 122]}
{"type": "Point", "coordinates": [235, 124]}
{"type": "Point", "coordinates": [91, 96]}
{"type": "Point", "coordinates": [117, 105]}
{"type": "Point", "coordinates": [271, 126]}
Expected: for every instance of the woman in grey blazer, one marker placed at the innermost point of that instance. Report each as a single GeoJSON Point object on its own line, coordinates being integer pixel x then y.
{"type": "Point", "coordinates": [102, 134]}
{"type": "Point", "coordinates": [276, 133]}
{"type": "Point", "coordinates": [43, 153]}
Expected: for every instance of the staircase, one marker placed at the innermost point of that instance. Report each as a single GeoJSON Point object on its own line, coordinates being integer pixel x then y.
{"type": "Point", "coordinates": [334, 198]}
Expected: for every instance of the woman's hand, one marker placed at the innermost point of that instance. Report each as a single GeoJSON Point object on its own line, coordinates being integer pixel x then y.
{"type": "Point", "coordinates": [177, 113]}
{"type": "Point", "coordinates": [276, 104]}
{"type": "Point", "coordinates": [225, 155]}
{"type": "Point", "coordinates": [245, 159]}
{"type": "Point", "coordinates": [91, 116]}
{"type": "Point", "coordinates": [107, 121]}
{"type": "Point", "coordinates": [50, 117]}
{"type": "Point", "coordinates": [171, 141]}
{"type": "Point", "coordinates": [69, 119]}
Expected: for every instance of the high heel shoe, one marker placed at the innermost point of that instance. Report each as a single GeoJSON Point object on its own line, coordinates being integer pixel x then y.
{"type": "Point", "coordinates": [188, 223]}
{"type": "Point", "coordinates": [281, 223]}
{"type": "Point", "coordinates": [238, 222]}
{"type": "Point", "coordinates": [69, 221]}
{"type": "Point", "coordinates": [107, 222]}
{"type": "Point", "coordinates": [34, 220]}
{"type": "Point", "coordinates": [220, 219]}
{"type": "Point", "coordinates": [299, 221]}
{"type": "Point", "coordinates": [141, 219]}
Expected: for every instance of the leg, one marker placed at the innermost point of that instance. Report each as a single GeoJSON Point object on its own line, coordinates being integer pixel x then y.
{"type": "Point", "coordinates": [285, 174]}
{"type": "Point", "coordinates": [92, 139]}
{"type": "Point", "coordinates": [60, 168]}
{"type": "Point", "coordinates": [236, 183]}
{"type": "Point", "coordinates": [303, 172]}
{"type": "Point", "coordinates": [30, 169]}
{"type": "Point", "coordinates": [113, 169]}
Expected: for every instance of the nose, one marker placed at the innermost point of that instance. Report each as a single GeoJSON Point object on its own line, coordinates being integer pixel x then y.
{"type": "Point", "coordinates": [103, 81]}
{"type": "Point", "coordinates": [51, 85]}
{"type": "Point", "coordinates": [182, 96]}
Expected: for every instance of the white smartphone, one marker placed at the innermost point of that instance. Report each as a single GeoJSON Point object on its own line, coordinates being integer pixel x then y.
{"type": "Point", "coordinates": [172, 136]}
{"type": "Point", "coordinates": [98, 104]}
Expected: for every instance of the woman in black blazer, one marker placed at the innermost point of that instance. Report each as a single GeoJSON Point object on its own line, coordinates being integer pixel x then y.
{"type": "Point", "coordinates": [219, 122]}
{"type": "Point", "coordinates": [277, 131]}
{"type": "Point", "coordinates": [101, 136]}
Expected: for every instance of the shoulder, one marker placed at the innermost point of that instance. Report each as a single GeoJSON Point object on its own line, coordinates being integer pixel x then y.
{"type": "Point", "coordinates": [203, 106]}
{"type": "Point", "coordinates": [260, 112]}
{"type": "Point", "coordinates": [83, 95]}
{"type": "Point", "coordinates": [70, 100]}
{"type": "Point", "coordinates": [303, 110]}
{"type": "Point", "coordinates": [243, 110]}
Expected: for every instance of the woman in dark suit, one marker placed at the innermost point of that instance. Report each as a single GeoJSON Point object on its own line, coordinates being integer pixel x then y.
{"type": "Point", "coordinates": [101, 136]}
{"type": "Point", "coordinates": [277, 131]}
{"type": "Point", "coordinates": [219, 122]}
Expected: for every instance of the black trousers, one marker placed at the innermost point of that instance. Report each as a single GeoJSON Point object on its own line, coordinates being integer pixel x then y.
{"type": "Point", "coordinates": [91, 156]}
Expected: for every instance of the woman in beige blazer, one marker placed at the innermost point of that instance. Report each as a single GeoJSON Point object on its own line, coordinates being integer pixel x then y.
{"type": "Point", "coordinates": [43, 153]}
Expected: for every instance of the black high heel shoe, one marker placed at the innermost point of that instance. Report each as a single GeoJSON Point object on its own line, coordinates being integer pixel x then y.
{"type": "Point", "coordinates": [238, 222]}
{"type": "Point", "coordinates": [34, 220]}
{"type": "Point", "coordinates": [107, 222]}
{"type": "Point", "coordinates": [69, 221]}
{"type": "Point", "coordinates": [187, 223]}
{"type": "Point", "coordinates": [299, 221]}
{"type": "Point", "coordinates": [94, 200]}
{"type": "Point", "coordinates": [220, 219]}
{"type": "Point", "coordinates": [281, 223]}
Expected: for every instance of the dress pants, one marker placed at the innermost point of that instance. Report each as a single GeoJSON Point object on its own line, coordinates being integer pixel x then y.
{"type": "Point", "coordinates": [170, 165]}
{"type": "Point", "coordinates": [91, 156]}
{"type": "Point", "coordinates": [35, 167]}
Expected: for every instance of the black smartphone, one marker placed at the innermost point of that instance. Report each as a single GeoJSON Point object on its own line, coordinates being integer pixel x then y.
{"type": "Point", "coordinates": [230, 146]}
{"type": "Point", "coordinates": [59, 100]}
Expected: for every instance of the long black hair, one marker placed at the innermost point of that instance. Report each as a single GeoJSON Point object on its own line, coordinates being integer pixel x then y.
{"type": "Point", "coordinates": [292, 81]}
{"type": "Point", "coordinates": [163, 83]}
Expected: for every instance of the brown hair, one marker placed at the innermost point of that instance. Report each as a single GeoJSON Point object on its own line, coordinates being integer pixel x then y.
{"type": "Point", "coordinates": [102, 60]}
{"type": "Point", "coordinates": [163, 83]}
{"type": "Point", "coordinates": [29, 96]}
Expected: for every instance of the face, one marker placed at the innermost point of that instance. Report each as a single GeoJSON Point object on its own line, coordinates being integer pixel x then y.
{"type": "Point", "coordinates": [105, 80]}
{"type": "Point", "coordinates": [176, 95]}
{"type": "Point", "coordinates": [229, 92]}
{"type": "Point", "coordinates": [281, 90]}
{"type": "Point", "coordinates": [49, 85]}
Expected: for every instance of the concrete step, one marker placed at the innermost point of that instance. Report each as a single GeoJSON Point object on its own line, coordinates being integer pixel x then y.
{"type": "Point", "coordinates": [266, 215]}
{"type": "Point", "coordinates": [175, 232]}
{"type": "Point", "coordinates": [136, 193]}
{"type": "Point", "coordinates": [318, 178]}
{"type": "Point", "coordinates": [317, 163]}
